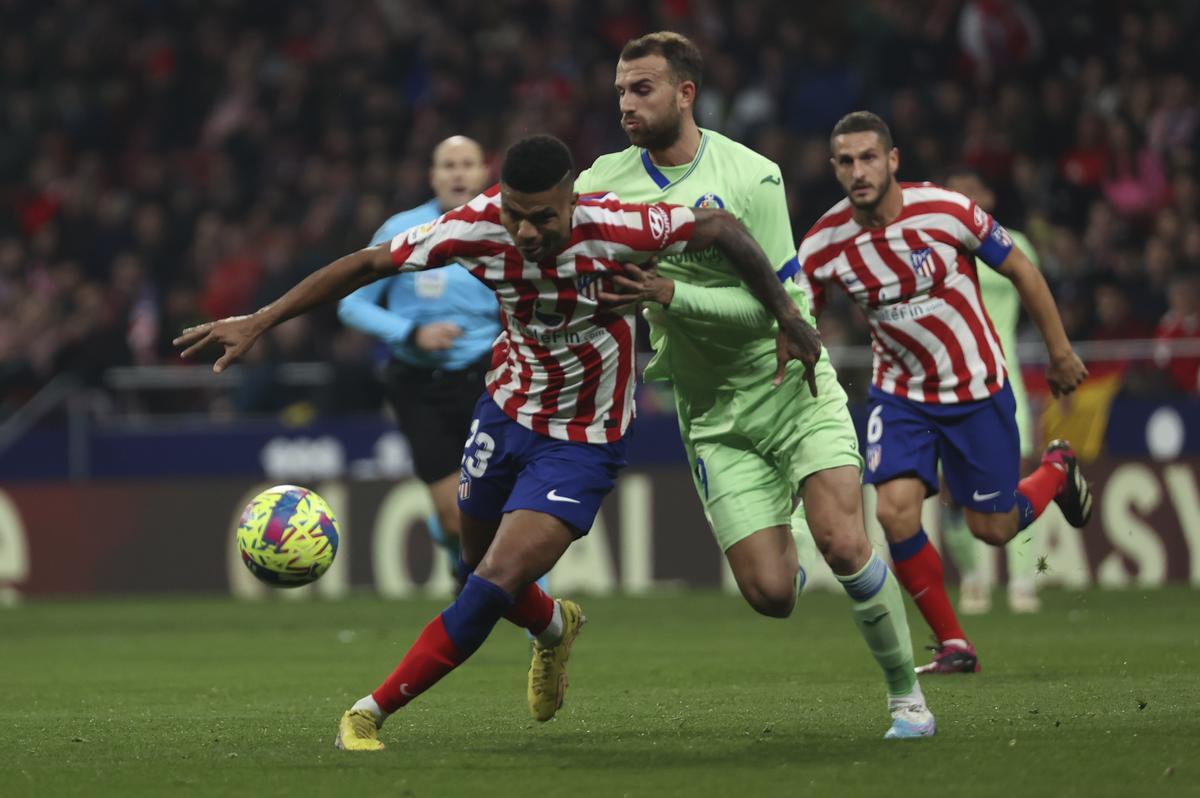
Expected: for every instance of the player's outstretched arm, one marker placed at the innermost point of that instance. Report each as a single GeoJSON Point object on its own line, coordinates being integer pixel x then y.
{"type": "Point", "coordinates": [798, 339]}
{"type": "Point", "coordinates": [715, 227]}
{"type": "Point", "coordinates": [334, 281]}
{"type": "Point", "coordinates": [1065, 371]}
{"type": "Point", "coordinates": [731, 305]}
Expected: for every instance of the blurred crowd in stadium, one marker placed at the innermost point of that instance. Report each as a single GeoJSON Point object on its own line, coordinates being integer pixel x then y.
{"type": "Point", "coordinates": [163, 163]}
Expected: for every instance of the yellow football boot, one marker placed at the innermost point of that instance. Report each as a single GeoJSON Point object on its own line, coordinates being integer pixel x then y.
{"type": "Point", "coordinates": [357, 732]}
{"type": "Point", "coordinates": [548, 671]}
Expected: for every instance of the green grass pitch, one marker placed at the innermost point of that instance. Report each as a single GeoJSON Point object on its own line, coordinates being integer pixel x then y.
{"type": "Point", "coordinates": [686, 694]}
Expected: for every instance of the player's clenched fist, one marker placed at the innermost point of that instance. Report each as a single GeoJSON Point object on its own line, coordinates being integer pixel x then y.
{"type": "Point", "coordinates": [1065, 372]}
{"type": "Point", "coordinates": [236, 333]}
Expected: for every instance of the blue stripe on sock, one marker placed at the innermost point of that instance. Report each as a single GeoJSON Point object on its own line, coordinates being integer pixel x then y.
{"type": "Point", "coordinates": [1025, 513]}
{"type": "Point", "coordinates": [868, 581]}
{"type": "Point", "coordinates": [907, 549]}
{"type": "Point", "coordinates": [472, 616]}
{"type": "Point", "coordinates": [461, 569]}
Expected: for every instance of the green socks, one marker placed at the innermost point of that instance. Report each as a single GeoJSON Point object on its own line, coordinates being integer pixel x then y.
{"type": "Point", "coordinates": [878, 610]}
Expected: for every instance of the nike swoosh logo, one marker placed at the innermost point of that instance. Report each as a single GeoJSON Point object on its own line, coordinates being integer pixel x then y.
{"type": "Point", "coordinates": [554, 497]}
{"type": "Point", "coordinates": [876, 619]}
{"type": "Point", "coordinates": [404, 691]}
{"type": "Point", "coordinates": [772, 179]}
{"type": "Point", "coordinates": [982, 497]}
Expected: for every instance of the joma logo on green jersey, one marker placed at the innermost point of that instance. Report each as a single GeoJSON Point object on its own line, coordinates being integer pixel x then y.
{"type": "Point", "coordinates": [704, 256]}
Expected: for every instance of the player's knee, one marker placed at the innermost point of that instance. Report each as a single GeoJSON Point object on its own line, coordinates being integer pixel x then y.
{"type": "Point", "coordinates": [506, 576]}
{"type": "Point", "coordinates": [895, 518]}
{"type": "Point", "coordinates": [847, 553]}
{"type": "Point", "coordinates": [774, 597]}
{"type": "Point", "coordinates": [993, 529]}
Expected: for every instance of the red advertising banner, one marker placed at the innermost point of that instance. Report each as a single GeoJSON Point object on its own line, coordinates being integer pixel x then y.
{"type": "Point", "coordinates": [129, 537]}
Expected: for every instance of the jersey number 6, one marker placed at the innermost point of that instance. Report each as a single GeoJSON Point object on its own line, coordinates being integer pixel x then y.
{"type": "Point", "coordinates": [875, 425]}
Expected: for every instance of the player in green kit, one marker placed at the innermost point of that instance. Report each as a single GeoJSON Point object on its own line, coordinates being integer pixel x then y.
{"type": "Point", "coordinates": [1003, 305]}
{"type": "Point", "coordinates": [755, 446]}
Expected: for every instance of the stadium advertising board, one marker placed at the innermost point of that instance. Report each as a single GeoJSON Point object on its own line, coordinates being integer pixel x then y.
{"type": "Point", "coordinates": [176, 536]}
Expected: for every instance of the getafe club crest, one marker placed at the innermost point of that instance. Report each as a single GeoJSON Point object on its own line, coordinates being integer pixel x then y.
{"type": "Point", "coordinates": [709, 200]}
{"type": "Point", "coordinates": [922, 261]}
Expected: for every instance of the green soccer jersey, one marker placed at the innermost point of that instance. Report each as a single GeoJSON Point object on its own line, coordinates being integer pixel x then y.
{"type": "Point", "coordinates": [1002, 301]}
{"type": "Point", "coordinates": [706, 336]}
{"type": "Point", "coordinates": [1003, 305]}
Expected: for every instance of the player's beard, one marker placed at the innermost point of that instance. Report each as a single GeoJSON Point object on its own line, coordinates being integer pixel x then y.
{"type": "Point", "coordinates": [871, 204]}
{"type": "Point", "coordinates": [658, 136]}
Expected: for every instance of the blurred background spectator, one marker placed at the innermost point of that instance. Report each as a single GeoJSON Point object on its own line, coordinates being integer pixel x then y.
{"type": "Point", "coordinates": [162, 163]}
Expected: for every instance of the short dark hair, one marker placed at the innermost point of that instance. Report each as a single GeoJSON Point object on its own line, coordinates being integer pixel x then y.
{"type": "Point", "coordinates": [536, 163]}
{"type": "Point", "coordinates": [681, 54]}
{"type": "Point", "coordinates": [862, 122]}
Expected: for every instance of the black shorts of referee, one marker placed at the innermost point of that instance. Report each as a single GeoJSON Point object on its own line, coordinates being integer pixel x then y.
{"type": "Point", "coordinates": [433, 409]}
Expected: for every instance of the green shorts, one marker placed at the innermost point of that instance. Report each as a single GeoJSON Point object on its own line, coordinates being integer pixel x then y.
{"type": "Point", "coordinates": [751, 449]}
{"type": "Point", "coordinates": [1024, 421]}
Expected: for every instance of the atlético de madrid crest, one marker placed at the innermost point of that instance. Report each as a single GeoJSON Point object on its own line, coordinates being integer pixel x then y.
{"type": "Point", "coordinates": [922, 261]}
{"type": "Point", "coordinates": [709, 200]}
{"type": "Point", "coordinates": [590, 285]}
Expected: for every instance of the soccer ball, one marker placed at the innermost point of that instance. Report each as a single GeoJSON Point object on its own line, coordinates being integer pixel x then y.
{"type": "Point", "coordinates": [287, 536]}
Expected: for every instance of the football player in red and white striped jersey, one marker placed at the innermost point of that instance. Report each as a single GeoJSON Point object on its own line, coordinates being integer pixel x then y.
{"type": "Point", "coordinates": [547, 439]}
{"type": "Point", "coordinates": [906, 253]}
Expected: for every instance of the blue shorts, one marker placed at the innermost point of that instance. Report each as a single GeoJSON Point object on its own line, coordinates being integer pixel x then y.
{"type": "Point", "coordinates": [507, 467]}
{"type": "Point", "coordinates": [976, 442]}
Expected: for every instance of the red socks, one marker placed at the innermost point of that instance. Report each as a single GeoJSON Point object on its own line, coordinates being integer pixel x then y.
{"type": "Point", "coordinates": [455, 634]}
{"type": "Point", "coordinates": [533, 609]}
{"type": "Point", "coordinates": [919, 569]}
{"type": "Point", "coordinates": [431, 657]}
{"type": "Point", "coordinates": [1042, 486]}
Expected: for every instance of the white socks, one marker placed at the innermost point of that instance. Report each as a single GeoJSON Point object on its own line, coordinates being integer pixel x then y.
{"type": "Point", "coordinates": [368, 703]}
{"type": "Point", "coordinates": [552, 634]}
{"type": "Point", "coordinates": [915, 697]}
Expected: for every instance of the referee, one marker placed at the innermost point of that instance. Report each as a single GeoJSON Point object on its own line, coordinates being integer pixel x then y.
{"type": "Point", "coordinates": [439, 326]}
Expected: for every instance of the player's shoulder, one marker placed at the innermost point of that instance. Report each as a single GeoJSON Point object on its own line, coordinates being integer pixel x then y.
{"type": "Point", "coordinates": [919, 192]}
{"type": "Point", "coordinates": [399, 222]}
{"type": "Point", "coordinates": [605, 220]}
{"type": "Point", "coordinates": [834, 226]}
{"type": "Point", "coordinates": [477, 220]}
{"type": "Point", "coordinates": [945, 208]}
{"type": "Point", "coordinates": [752, 165]}
{"type": "Point", "coordinates": [611, 166]}
{"type": "Point", "coordinates": [606, 207]}
{"type": "Point", "coordinates": [483, 207]}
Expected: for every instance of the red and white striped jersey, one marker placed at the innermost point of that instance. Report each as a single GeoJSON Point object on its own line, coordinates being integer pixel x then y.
{"type": "Point", "coordinates": [916, 281]}
{"type": "Point", "coordinates": [561, 366]}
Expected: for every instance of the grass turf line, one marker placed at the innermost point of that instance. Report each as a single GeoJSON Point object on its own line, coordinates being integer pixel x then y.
{"type": "Point", "coordinates": [670, 695]}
